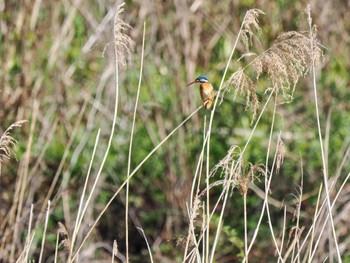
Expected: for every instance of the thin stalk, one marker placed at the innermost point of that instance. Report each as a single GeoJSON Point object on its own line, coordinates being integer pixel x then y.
{"type": "Point", "coordinates": [203, 229]}
{"type": "Point", "coordinates": [328, 215]}
{"type": "Point", "coordinates": [56, 247]}
{"type": "Point", "coordinates": [245, 226]}
{"type": "Point", "coordinates": [191, 233]}
{"type": "Point", "coordinates": [29, 232]}
{"type": "Point", "coordinates": [268, 210]}
{"type": "Point", "coordinates": [139, 228]}
{"type": "Point", "coordinates": [325, 175]}
{"type": "Point", "coordinates": [130, 147]}
{"type": "Point", "coordinates": [197, 174]}
{"type": "Point", "coordinates": [267, 179]}
{"type": "Point", "coordinates": [208, 200]}
{"type": "Point", "coordinates": [314, 222]}
{"type": "Point", "coordinates": [297, 234]}
{"type": "Point", "coordinates": [212, 117]}
{"type": "Point", "coordinates": [44, 233]}
{"type": "Point", "coordinates": [80, 214]}
{"type": "Point", "coordinates": [326, 220]}
{"type": "Point", "coordinates": [283, 229]}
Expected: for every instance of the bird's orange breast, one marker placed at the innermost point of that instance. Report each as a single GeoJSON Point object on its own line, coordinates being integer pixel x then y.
{"type": "Point", "coordinates": [206, 90]}
{"type": "Point", "coordinates": [207, 94]}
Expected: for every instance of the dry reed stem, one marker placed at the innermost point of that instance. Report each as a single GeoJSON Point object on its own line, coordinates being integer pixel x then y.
{"type": "Point", "coordinates": [56, 247]}
{"type": "Point", "coordinates": [131, 144]}
{"type": "Point", "coordinates": [308, 255]}
{"type": "Point", "coordinates": [318, 214]}
{"type": "Point", "coordinates": [245, 220]}
{"type": "Point", "coordinates": [328, 215]}
{"type": "Point", "coordinates": [23, 257]}
{"type": "Point", "coordinates": [44, 232]}
{"type": "Point", "coordinates": [314, 57]}
{"type": "Point", "coordinates": [81, 213]}
{"type": "Point", "coordinates": [296, 229]}
{"type": "Point", "coordinates": [283, 231]}
{"type": "Point", "coordinates": [148, 247]}
{"type": "Point", "coordinates": [29, 234]}
{"type": "Point", "coordinates": [267, 207]}
{"type": "Point", "coordinates": [195, 201]}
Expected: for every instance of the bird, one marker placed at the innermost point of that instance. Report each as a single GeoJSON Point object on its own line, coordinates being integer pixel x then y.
{"type": "Point", "coordinates": [206, 90]}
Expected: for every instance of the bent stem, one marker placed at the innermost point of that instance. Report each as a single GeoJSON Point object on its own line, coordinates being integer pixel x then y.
{"type": "Point", "coordinates": [130, 148]}
{"type": "Point", "coordinates": [325, 173]}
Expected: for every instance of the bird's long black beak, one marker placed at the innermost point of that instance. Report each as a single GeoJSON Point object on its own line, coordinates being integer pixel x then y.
{"type": "Point", "coordinates": [189, 84]}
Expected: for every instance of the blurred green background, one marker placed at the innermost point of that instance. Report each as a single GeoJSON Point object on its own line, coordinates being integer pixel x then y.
{"type": "Point", "coordinates": [52, 67]}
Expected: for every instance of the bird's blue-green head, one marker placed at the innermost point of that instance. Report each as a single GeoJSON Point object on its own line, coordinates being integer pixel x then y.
{"type": "Point", "coordinates": [200, 79]}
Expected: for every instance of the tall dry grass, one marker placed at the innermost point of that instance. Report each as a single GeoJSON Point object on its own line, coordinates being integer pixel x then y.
{"type": "Point", "coordinates": [275, 73]}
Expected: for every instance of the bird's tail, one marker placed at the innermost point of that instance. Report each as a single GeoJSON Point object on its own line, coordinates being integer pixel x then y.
{"type": "Point", "coordinates": [208, 104]}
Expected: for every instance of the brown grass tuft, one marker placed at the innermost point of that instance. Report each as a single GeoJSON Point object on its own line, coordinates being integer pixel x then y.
{"type": "Point", "coordinates": [123, 44]}
{"type": "Point", "coordinates": [62, 231]}
{"type": "Point", "coordinates": [227, 162]}
{"type": "Point", "coordinates": [242, 176]}
{"type": "Point", "coordinates": [7, 142]}
{"type": "Point", "coordinates": [251, 24]}
{"type": "Point", "coordinates": [283, 64]}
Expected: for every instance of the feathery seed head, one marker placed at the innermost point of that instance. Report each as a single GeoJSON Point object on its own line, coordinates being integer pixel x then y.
{"type": "Point", "coordinates": [123, 44]}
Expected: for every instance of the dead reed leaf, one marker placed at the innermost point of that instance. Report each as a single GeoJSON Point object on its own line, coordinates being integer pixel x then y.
{"type": "Point", "coordinates": [280, 154]}
{"type": "Point", "coordinates": [115, 248]}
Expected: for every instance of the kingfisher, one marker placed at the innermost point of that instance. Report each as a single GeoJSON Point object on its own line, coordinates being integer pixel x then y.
{"type": "Point", "coordinates": [206, 90]}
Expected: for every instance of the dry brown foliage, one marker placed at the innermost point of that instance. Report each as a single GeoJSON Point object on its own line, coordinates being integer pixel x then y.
{"type": "Point", "coordinates": [7, 142]}
{"type": "Point", "coordinates": [234, 171]}
{"type": "Point", "coordinates": [251, 24]}
{"type": "Point", "coordinates": [62, 231]}
{"type": "Point", "coordinates": [123, 44]}
{"type": "Point", "coordinates": [281, 65]}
